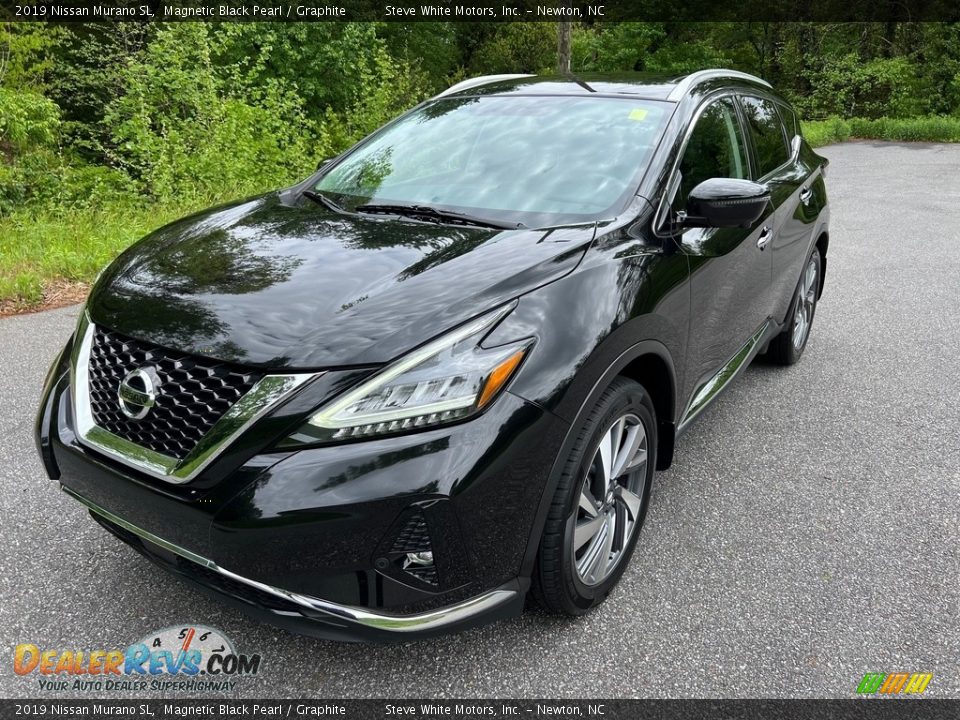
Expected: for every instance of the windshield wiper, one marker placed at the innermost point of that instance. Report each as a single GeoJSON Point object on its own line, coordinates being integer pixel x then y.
{"type": "Point", "coordinates": [322, 199]}
{"type": "Point", "coordinates": [424, 212]}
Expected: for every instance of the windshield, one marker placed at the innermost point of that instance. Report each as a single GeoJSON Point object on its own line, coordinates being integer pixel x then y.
{"type": "Point", "coordinates": [531, 160]}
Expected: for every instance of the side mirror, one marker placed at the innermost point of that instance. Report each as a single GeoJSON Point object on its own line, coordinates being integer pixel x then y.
{"type": "Point", "coordinates": [725, 202]}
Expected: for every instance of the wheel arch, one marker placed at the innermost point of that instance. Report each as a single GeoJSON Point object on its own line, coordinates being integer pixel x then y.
{"type": "Point", "coordinates": [652, 372]}
{"type": "Point", "coordinates": [650, 364]}
{"type": "Point", "coordinates": [823, 242]}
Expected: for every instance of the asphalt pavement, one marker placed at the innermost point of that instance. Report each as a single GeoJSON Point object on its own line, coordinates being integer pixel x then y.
{"type": "Point", "coordinates": [807, 533]}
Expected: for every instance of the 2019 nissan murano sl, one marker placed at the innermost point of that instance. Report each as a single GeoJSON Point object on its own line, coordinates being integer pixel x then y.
{"type": "Point", "coordinates": [441, 372]}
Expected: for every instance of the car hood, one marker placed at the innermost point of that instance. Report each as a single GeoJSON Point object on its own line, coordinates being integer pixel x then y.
{"type": "Point", "coordinates": [269, 284]}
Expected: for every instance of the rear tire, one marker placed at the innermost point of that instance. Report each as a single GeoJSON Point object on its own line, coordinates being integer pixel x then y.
{"type": "Point", "coordinates": [787, 347]}
{"type": "Point", "coordinates": [600, 502]}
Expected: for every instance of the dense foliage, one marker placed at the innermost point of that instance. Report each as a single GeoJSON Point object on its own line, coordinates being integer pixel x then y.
{"type": "Point", "coordinates": [106, 130]}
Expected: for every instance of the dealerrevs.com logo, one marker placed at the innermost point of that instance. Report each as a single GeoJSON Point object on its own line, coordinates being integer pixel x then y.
{"type": "Point", "coordinates": [192, 658]}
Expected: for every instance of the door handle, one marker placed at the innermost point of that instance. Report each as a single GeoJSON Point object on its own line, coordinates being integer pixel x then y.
{"type": "Point", "coordinates": [805, 195]}
{"type": "Point", "coordinates": [766, 235]}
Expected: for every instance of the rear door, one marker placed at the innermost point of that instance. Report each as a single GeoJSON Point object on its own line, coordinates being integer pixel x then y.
{"type": "Point", "coordinates": [777, 165]}
{"type": "Point", "coordinates": [729, 272]}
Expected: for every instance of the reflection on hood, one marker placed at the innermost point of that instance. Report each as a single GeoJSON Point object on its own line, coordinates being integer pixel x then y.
{"type": "Point", "coordinates": [269, 284]}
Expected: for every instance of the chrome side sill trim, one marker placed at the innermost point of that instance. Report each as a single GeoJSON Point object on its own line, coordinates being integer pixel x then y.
{"type": "Point", "coordinates": [258, 401]}
{"type": "Point", "coordinates": [381, 621]}
{"type": "Point", "coordinates": [707, 392]}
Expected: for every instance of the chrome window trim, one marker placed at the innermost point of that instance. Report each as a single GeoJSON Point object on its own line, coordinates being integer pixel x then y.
{"type": "Point", "coordinates": [795, 144]}
{"type": "Point", "coordinates": [686, 84]}
{"type": "Point", "coordinates": [448, 615]}
{"type": "Point", "coordinates": [256, 403]}
{"type": "Point", "coordinates": [666, 199]}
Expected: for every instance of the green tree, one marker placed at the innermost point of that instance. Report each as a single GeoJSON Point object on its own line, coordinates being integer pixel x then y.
{"type": "Point", "coordinates": [517, 48]}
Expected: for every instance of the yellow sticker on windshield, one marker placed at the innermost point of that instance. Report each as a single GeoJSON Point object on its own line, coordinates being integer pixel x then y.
{"type": "Point", "coordinates": [638, 114]}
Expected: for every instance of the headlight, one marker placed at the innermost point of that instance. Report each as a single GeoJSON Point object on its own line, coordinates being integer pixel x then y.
{"type": "Point", "coordinates": [446, 380]}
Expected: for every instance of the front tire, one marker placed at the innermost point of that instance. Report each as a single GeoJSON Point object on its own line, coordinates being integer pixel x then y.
{"type": "Point", "coordinates": [600, 502]}
{"type": "Point", "coordinates": [787, 347]}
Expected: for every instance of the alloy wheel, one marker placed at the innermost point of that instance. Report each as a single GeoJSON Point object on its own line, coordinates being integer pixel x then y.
{"type": "Point", "coordinates": [806, 302]}
{"type": "Point", "coordinates": [610, 500]}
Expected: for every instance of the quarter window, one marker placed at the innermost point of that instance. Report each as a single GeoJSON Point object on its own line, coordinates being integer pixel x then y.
{"type": "Point", "coordinates": [715, 149]}
{"type": "Point", "coordinates": [766, 129]}
{"type": "Point", "coordinates": [790, 121]}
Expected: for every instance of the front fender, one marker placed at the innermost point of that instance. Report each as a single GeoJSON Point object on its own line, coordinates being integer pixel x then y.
{"type": "Point", "coordinates": [615, 312]}
{"type": "Point", "coordinates": [596, 321]}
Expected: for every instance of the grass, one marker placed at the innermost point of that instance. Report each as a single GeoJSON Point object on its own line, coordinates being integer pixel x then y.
{"type": "Point", "coordinates": [42, 247]}
{"type": "Point", "coordinates": [826, 132]}
{"type": "Point", "coordinates": [926, 129]}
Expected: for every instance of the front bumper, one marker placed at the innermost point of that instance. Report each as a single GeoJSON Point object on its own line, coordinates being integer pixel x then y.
{"type": "Point", "coordinates": [303, 613]}
{"type": "Point", "coordinates": [302, 539]}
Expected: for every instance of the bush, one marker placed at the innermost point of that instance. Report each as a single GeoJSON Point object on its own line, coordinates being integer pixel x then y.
{"type": "Point", "coordinates": [848, 86]}
{"type": "Point", "coordinates": [387, 90]}
{"type": "Point", "coordinates": [322, 62]}
{"type": "Point", "coordinates": [180, 134]}
{"type": "Point", "coordinates": [26, 119]}
{"type": "Point", "coordinates": [614, 46]}
{"type": "Point", "coordinates": [517, 47]}
{"type": "Point", "coordinates": [29, 124]}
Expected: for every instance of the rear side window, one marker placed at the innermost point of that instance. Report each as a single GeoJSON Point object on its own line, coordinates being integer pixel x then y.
{"type": "Point", "coordinates": [715, 149]}
{"type": "Point", "coordinates": [790, 120]}
{"type": "Point", "coordinates": [766, 129]}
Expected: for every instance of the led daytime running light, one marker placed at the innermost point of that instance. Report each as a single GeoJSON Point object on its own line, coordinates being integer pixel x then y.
{"type": "Point", "coordinates": [358, 413]}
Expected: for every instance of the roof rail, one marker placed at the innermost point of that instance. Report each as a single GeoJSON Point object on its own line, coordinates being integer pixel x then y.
{"type": "Point", "coordinates": [684, 86]}
{"type": "Point", "coordinates": [478, 81]}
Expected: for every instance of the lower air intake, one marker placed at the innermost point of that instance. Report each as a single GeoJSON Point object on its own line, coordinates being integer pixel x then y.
{"type": "Point", "coordinates": [411, 552]}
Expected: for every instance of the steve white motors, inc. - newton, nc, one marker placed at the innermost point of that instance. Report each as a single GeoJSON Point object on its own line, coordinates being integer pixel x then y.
{"type": "Point", "coordinates": [430, 710]}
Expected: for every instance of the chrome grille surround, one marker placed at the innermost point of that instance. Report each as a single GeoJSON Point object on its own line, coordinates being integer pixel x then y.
{"type": "Point", "coordinates": [194, 392]}
{"type": "Point", "coordinates": [262, 396]}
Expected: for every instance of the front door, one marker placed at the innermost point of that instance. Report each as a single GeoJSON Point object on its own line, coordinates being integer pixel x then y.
{"type": "Point", "coordinates": [777, 164]}
{"type": "Point", "coordinates": [730, 270]}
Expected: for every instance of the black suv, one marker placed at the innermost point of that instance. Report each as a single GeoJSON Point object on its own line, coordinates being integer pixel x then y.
{"type": "Point", "coordinates": [440, 372]}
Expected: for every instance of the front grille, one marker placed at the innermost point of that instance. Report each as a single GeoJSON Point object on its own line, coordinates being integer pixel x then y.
{"type": "Point", "coordinates": [193, 392]}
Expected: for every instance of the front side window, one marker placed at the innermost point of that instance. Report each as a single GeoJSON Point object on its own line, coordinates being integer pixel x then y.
{"type": "Point", "coordinates": [535, 160]}
{"type": "Point", "coordinates": [715, 149]}
{"type": "Point", "coordinates": [766, 129]}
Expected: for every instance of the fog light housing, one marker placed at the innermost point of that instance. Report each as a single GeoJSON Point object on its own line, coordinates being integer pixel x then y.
{"type": "Point", "coordinates": [418, 559]}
